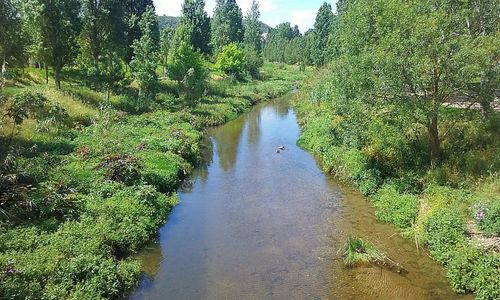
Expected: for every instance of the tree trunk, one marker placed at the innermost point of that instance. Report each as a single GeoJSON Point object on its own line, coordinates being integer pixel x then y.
{"type": "Point", "coordinates": [46, 73]}
{"type": "Point", "coordinates": [57, 77]}
{"type": "Point", "coordinates": [434, 141]}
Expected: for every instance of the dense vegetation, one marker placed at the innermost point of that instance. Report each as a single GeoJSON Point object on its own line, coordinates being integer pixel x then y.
{"type": "Point", "coordinates": [385, 115]}
{"type": "Point", "coordinates": [101, 118]}
{"type": "Point", "coordinates": [102, 107]}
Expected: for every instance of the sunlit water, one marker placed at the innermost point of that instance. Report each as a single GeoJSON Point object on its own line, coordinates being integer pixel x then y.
{"type": "Point", "coordinates": [256, 224]}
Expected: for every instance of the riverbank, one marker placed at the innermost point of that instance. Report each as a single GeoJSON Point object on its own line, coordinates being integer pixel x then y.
{"type": "Point", "coordinates": [451, 208]}
{"type": "Point", "coordinates": [79, 202]}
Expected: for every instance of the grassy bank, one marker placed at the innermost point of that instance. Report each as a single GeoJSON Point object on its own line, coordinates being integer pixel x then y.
{"type": "Point", "coordinates": [451, 207]}
{"type": "Point", "coordinates": [78, 199]}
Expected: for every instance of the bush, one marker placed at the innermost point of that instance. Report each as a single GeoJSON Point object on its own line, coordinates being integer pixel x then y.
{"type": "Point", "coordinates": [253, 62]}
{"type": "Point", "coordinates": [475, 270]}
{"type": "Point", "coordinates": [396, 208]}
{"type": "Point", "coordinates": [231, 60]}
{"type": "Point", "coordinates": [444, 230]}
{"type": "Point", "coordinates": [186, 66]}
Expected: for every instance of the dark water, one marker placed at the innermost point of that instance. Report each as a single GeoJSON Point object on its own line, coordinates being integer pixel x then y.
{"type": "Point", "coordinates": [256, 224]}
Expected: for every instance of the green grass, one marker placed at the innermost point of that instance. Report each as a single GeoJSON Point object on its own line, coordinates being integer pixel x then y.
{"type": "Point", "coordinates": [357, 251]}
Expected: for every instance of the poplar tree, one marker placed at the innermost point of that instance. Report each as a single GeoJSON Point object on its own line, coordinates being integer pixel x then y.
{"type": "Point", "coordinates": [196, 19]}
{"type": "Point", "coordinates": [253, 33]}
{"type": "Point", "coordinates": [227, 24]}
{"type": "Point", "coordinates": [323, 28]}
{"type": "Point", "coordinates": [145, 59]}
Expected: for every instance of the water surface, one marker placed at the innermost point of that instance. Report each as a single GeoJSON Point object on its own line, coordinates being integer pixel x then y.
{"type": "Point", "coordinates": [256, 224]}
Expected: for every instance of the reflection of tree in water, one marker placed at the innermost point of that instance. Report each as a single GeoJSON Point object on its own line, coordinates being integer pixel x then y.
{"type": "Point", "coordinates": [201, 169]}
{"type": "Point", "coordinates": [227, 140]}
{"type": "Point", "coordinates": [282, 109]}
{"type": "Point", "coordinates": [253, 120]}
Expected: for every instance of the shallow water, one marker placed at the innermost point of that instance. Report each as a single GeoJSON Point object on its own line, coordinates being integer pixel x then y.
{"type": "Point", "coordinates": [256, 224]}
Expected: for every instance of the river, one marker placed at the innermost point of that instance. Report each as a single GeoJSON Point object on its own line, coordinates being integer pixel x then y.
{"type": "Point", "coordinates": [256, 224]}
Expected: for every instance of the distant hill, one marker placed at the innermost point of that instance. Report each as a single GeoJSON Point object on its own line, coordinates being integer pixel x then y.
{"type": "Point", "coordinates": [173, 22]}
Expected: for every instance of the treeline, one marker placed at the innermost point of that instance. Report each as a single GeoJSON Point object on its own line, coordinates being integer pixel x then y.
{"type": "Point", "coordinates": [110, 43]}
{"type": "Point", "coordinates": [404, 110]}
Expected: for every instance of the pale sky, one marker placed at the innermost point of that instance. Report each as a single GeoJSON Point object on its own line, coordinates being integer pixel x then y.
{"type": "Point", "coordinates": [273, 12]}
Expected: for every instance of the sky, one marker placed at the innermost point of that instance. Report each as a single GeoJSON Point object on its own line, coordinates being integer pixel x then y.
{"type": "Point", "coordinates": [273, 12]}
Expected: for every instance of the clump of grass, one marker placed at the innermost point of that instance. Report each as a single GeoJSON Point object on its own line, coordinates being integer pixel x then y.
{"type": "Point", "coordinates": [357, 251]}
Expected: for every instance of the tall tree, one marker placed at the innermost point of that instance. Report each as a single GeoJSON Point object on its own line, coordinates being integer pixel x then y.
{"type": "Point", "coordinates": [12, 41]}
{"type": "Point", "coordinates": [227, 24]}
{"type": "Point", "coordinates": [410, 58]}
{"type": "Point", "coordinates": [166, 36]}
{"type": "Point", "coordinates": [145, 59]}
{"type": "Point", "coordinates": [59, 25]}
{"type": "Point", "coordinates": [323, 28]}
{"type": "Point", "coordinates": [253, 32]}
{"type": "Point", "coordinates": [196, 19]}
{"type": "Point", "coordinates": [135, 10]}
{"type": "Point", "coordinates": [103, 42]}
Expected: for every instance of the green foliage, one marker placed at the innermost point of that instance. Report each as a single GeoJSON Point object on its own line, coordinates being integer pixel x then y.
{"type": "Point", "coordinates": [231, 60]}
{"type": "Point", "coordinates": [253, 62]}
{"type": "Point", "coordinates": [58, 24]}
{"type": "Point", "coordinates": [487, 216]}
{"type": "Point", "coordinates": [145, 60]}
{"type": "Point", "coordinates": [196, 18]}
{"type": "Point", "coordinates": [252, 38]}
{"type": "Point", "coordinates": [396, 208]}
{"type": "Point", "coordinates": [358, 251]}
{"type": "Point", "coordinates": [322, 28]}
{"type": "Point", "coordinates": [444, 231]}
{"type": "Point", "coordinates": [227, 24]}
{"type": "Point", "coordinates": [186, 66]}
{"type": "Point", "coordinates": [472, 269]}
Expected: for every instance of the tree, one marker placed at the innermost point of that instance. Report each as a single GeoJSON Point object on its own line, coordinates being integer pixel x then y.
{"type": "Point", "coordinates": [227, 24]}
{"type": "Point", "coordinates": [135, 10]}
{"type": "Point", "coordinates": [186, 66]}
{"type": "Point", "coordinates": [145, 59]}
{"type": "Point", "coordinates": [103, 42]}
{"type": "Point", "coordinates": [59, 25]}
{"type": "Point", "coordinates": [166, 36]}
{"type": "Point", "coordinates": [13, 44]}
{"type": "Point", "coordinates": [323, 27]}
{"type": "Point", "coordinates": [231, 60]}
{"type": "Point", "coordinates": [252, 37]}
{"type": "Point", "coordinates": [196, 19]}
{"type": "Point", "coordinates": [410, 58]}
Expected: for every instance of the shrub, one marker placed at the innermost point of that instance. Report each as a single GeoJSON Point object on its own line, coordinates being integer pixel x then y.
{"type": "Point", "coordinates": [444, 230]}
{"type": "Point", "coordinates": [474, 270]}
{"type": "Point", "coordinates": [396, 208]}
{"type": "Point", "coordinates": [186, 66]}
{"type": "Point", "coordinates": [253, 62]}
{"type": "Point", "coordinates": [124, 168]}
{"type": "Point", "coordinates": [231, 60]}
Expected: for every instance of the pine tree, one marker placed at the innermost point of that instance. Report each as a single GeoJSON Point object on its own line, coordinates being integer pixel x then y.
{"type": "Point", "coordinates": [227, 24]}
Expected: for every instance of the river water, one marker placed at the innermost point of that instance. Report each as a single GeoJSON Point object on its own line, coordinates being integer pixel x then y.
{"type": "Point", "coordinates": [256, 224]}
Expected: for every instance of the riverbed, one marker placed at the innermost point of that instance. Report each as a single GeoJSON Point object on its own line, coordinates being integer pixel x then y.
{"type": "Point", "coordinates": [253, 223]}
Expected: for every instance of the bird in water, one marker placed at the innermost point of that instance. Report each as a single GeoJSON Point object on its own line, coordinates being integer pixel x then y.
{"type": "Point", "coordinates": [280, 148]}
